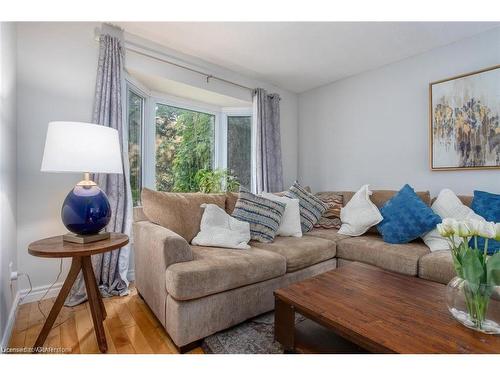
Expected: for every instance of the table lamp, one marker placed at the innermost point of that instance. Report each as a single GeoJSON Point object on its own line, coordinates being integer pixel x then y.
{"type": "Point", "coordinates": [84, 148]}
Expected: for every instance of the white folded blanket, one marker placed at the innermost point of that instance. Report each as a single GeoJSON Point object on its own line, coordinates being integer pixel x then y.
{"type": "Point", "coordinates": [219, 229]}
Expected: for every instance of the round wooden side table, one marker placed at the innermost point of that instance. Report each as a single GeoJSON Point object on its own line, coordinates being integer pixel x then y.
{"type": "Point", "coordinates": [55, 247]}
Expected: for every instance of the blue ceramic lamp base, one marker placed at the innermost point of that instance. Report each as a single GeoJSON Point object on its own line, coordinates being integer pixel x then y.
{"type": "Point", "coordinates": [86, 210]}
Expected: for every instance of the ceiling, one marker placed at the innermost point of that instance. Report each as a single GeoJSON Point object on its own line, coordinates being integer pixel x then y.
{"type": "Point", "coordinates": [299, 56]}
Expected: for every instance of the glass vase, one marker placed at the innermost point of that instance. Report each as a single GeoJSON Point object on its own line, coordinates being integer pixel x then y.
{"type": "Point", "coordinates": [475, 306]}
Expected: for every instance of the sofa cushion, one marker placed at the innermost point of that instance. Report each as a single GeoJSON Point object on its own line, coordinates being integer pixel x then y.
{"type": "Point", "coordinates": [437, 266]}
{"type": "Point", "coordinates": [219, 229]}
{"type": "Point", "coordinates": [179, 212]}
{"type": "Point", "coordinates": [300, 252]}
{"type": "Point", "coordinates": [290, 222]}
{"type": "Point", "coordinates": [488, 206]}
{"type": "Point", "coordinates": [331, 217]}
{"type": "Point", "coordinates": [448, 205]}
{"type": "Point", "coordinates": [380, 197]}
{"type": "Point", "coordinates": [311, 207]}
{"type": "Point", "coordinates": [264, 215]}
{"type": "Point", "coordinates": [346, 196]}
{"type": "Point", "coordinates": [406, 217]}
{"type": "Point", "coordinates": [138, 214]}
{"type": "Point", "coordinates": [231, 199]}
{"type": "Point", "coordinates": [216, 270]}
{"type": "Point", "coordinates": [465, 199]}
{"type": "Point", "coordinates": [360, 214]}
{"type": "Point", "coordinates": [327, 234]}
{"type": "Point", "coordinates": [371, 249]}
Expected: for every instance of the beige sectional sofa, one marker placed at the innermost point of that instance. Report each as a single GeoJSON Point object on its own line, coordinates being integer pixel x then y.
{"type": "Point", "coordinates": [196, 291]}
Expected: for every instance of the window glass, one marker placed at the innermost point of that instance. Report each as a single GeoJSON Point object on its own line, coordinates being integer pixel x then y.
{"type": "Point", "coordinates": [135, 119]}
{"type": "Point", "coordinates": [184, 145]}
{"type": "Point", "coordinates": [239, 148]}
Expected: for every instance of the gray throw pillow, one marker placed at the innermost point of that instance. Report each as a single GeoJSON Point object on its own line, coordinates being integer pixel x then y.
{"type": "Point", "coordinates": [311, 207]}
{"type": "Point", "coordinates": [264, 215]}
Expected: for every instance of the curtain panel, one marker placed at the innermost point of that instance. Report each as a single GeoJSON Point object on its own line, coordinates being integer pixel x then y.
{"type": "Point", "coordinates": [268, 163]}
{"type": "Point", "coordinates": [110, 268]}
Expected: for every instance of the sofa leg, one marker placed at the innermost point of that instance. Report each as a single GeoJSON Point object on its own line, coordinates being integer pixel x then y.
{"type": "Point", "coordinates": [188, 347]}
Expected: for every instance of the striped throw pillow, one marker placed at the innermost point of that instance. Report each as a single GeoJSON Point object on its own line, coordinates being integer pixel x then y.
{"type": "Point", "coordinates": [264, 215]}
{"type": "Point", "coordinates": [331, 217]}
{"type": "Point", "coordinates": [311, 207]}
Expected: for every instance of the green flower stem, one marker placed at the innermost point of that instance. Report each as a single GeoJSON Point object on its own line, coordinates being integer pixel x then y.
{"type": "Point", "coordinates": [477, 304]}
{"type": "Point", "coordinates": [485, 247]}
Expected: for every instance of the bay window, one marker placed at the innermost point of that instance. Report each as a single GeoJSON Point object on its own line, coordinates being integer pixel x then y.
{"type": "Point", "coordinates": [173, 141]}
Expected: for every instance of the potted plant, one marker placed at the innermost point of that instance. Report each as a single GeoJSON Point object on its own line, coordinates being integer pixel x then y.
{"type": "Point", "coordinates": [473, 296]}
{"type": "Point", "coordinates": [216, 181]}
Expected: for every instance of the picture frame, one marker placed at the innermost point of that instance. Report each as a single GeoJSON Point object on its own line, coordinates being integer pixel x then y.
{"type": "Point", "coordinates": [464, 130]}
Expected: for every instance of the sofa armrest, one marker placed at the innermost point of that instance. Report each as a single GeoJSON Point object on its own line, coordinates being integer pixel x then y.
{"type": "Point", "coordinates": [156, 248]}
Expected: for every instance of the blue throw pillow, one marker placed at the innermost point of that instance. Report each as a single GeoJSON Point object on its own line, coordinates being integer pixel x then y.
{"type": "Point", "coordinates": [486, 205]}
{"type": "Point", "coordinates": [406, 217]}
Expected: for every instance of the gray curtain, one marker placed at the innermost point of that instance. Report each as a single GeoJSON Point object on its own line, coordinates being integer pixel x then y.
{"type": "Point", "coordinates": [269, 169]}
{"type": "Point", "coordinates": [110, 268]}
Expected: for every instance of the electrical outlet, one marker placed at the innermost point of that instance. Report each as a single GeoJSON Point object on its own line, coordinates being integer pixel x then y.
{"type": "Point", "coordinates": [12, 273]}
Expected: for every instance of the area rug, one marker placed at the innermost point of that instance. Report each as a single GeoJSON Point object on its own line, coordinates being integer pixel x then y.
{"type": "Point", "coordinates": [255, 336]}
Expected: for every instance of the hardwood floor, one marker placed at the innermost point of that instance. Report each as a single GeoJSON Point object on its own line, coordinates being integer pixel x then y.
{"type": "Point", "coordinates": [130, 327]}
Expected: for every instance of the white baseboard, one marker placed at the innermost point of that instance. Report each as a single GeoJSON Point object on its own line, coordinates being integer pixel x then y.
{"type": "Point", "coordinates": [23, 297]}
{"type": "Point", "coordinates": [38, 292]}
{"type": "Point", "coordinates": [10, 322]}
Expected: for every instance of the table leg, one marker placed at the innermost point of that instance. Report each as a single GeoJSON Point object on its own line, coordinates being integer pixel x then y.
{"type": "Point", "coordinates": [58, 304]}
{"type": "Point", "coordinates": [94, 295]}
{"type": "Point", "coordinates": [284, 324]}
{"type": "Point", "coordinates": [104, 314]}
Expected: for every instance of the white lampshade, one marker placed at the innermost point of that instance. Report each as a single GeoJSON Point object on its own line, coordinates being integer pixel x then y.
{"type": "Point", "coordinates": [81, 147]}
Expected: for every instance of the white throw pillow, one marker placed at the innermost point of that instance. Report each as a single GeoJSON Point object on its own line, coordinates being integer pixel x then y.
{"type": "Point", "coordinates": [290, 222]}
{"type": "Point", "coordinates": [448, 205]}
{"type": "Point", "coordinates": [359, 214]}
{"type": "Point", "coordinates": [219, 229]}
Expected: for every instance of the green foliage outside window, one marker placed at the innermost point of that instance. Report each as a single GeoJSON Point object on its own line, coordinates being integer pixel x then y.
{"type": "Point", "coordinates": [184, 148]}
{"type": "Point", "coordinates": [216, 181]}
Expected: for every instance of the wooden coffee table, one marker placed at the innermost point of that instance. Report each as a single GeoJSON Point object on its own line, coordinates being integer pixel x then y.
{"type": "Point", "coordinates": [377, 310]}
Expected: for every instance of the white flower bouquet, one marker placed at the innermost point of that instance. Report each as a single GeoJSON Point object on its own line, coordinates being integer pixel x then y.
{"type": "Point", "coordinates": [480, 271]}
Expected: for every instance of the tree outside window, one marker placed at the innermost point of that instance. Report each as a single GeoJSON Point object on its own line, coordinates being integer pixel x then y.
{"type": "Point", "coordinates": [184, 146]}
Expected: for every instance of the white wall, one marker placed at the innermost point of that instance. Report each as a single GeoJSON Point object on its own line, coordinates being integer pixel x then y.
{"type": "Point", "coordinates": [373, 127]}
{"type": "Point", "coordinates": [56, 66]}
{"type": "Point", "coordinates": [8, 181]}
{"type": "Point", "coordinates": [56, 77]}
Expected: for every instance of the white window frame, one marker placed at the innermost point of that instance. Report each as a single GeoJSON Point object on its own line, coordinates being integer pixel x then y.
{"type": "Point", "coordinates": [135, 87]}
{"type": "Point", "coordinates": [148, 146]}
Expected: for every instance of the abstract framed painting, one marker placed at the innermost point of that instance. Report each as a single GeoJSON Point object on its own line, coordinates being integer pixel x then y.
{"type": "Point", "coordinates": [464, 127]}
